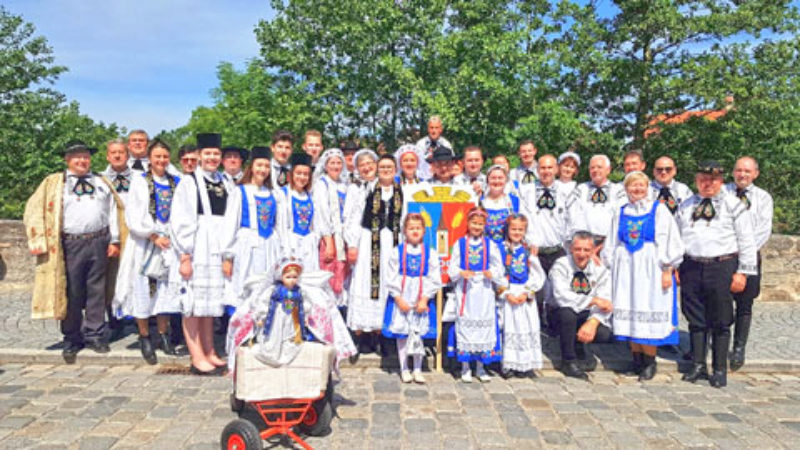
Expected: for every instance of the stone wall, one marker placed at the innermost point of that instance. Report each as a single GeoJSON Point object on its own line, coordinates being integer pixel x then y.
{"type": "Point", "coordinates": [780, 260]}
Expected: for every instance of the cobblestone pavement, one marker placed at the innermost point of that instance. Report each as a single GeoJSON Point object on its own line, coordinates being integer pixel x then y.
{"type": "Point", "coordinates": [772, 344]}
{"type": "Point", "coordinates": [97, 407]}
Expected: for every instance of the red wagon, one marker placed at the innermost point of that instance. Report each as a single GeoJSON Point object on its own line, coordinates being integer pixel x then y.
{"type": "Point", "coordinates": [261, 419]}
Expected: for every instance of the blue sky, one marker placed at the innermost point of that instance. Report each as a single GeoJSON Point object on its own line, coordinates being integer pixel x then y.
{"type": "Point", "coordinates": [146, 63]}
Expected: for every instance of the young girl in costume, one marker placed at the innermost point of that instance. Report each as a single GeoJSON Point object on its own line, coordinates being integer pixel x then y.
{"type": "Point", "coordinates": [413, 279]}
{"type": "Point", "coordinates": [282, 310]}
{"type": "Point", "coordinates": [258, 246]}
{"type": "Point", "coordinates": [522, 348]}
{"type": "Point", "coordinates": [297, 228]}
{"type": "Point", "coordinates": [475, 266]}
{"type": "Point", "coordinates": [147, 214]}
{"type": "Point", "coordinates": [202, 226]}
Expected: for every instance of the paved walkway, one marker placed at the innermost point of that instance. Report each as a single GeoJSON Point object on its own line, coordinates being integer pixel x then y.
{"type": "Point", "coordinates": [773, 342]}
{"type": "Point", "coordinates": [123, 406]}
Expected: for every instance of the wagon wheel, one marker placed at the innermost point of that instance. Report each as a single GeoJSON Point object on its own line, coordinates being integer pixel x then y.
{"type": "Point", "coordinates": [240, 434]}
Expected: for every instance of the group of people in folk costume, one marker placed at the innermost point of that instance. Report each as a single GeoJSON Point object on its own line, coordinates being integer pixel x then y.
{"type": "Point", "coordinates": [310, 245]}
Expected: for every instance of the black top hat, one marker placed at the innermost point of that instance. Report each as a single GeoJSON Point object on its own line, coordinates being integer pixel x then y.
{"type": "Point", "coordinates": [261, 152]}
{"type": "Point", "coordinates": [243, 153]}
{"type": "Point", "coordinates": [76, 146]}
{"type": "Point", "coordinates": [710, 167]}
{"type": "Point", "coordinates": [209, 140]}
{"type": "Point", "coordinates": [300, 159]}
{"type": "Point", "coordinates": [350, 146]}
{"type": "Point", "coordinates": [442, 153]}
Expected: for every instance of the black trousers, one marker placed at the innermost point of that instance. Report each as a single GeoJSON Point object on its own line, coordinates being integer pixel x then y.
{"type": "Point", "coordinates": [549, 259]}
{"type": "Point", "coordinates": [706, 299]}
{"type": "Point", "coordinates": [86, 265]}
{"type": "Point", "coordinates": [744, 299]}
{"type": "Point", "coordinates": [568, 324]}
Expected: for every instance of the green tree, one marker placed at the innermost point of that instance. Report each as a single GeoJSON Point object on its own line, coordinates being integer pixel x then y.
{"type": "Point", "coordinates": [35, 123]}
{"type": "Point", "coordinates": [657, 56]}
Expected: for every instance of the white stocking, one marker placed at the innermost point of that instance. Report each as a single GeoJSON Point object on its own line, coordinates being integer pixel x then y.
{"type": "Point", "coordinates": [402, 354]}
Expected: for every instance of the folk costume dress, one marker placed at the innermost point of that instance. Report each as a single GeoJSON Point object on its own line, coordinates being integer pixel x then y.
{"type": "Point", "coordinates": [476, 334]}
{"type": "Point", "coordinates": [257, 247]}
{"type": "Point", "coordinates": [644, 240]}
{"type": "Point", "coordinates": [147, 212]}
{"type": "Point", "coordinates": [279, 319]}
{"type": "Point", "coordinates": [522, 347]}
{"type": "Point", "coordinates": [298, 227]}
{"type": "Point", "coordinates": [329, 198]}
{"type": "Point", "coordinates": [499, 209]}
{"type": "Point", "coordinates": [202, 225]}
{"type": "Point", "coordinates": [412, 273]}
{"type": "Point", "coordinates": [376, 233]}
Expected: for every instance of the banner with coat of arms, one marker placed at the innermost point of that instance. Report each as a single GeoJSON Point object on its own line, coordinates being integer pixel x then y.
{"type": "Point", "coordinates": [444, 208]}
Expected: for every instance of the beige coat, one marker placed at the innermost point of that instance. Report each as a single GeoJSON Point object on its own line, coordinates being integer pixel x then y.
{"type": "Point", "coordinates": [43, 224]}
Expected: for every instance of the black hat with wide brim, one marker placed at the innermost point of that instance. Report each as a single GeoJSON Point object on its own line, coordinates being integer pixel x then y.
{"type": "Point", "coordinates": [442, 153]}
{"type": "Point", "coordinates": [209, 140]}
{"type": "Point", "coordinates": [243, 152]}
{"type": "Point", "coordinates": [711, 168]}
{"type": "Point", "coordinates": [350, 146]}
{"type": "Point", "coordinates": [261, 152]}
{"type": "Point", "coordinates": [77, 147]}
{"type": "Point", "coordinates": [300, 159]}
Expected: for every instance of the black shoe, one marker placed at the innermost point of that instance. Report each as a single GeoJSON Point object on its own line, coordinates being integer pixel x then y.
{"type": "Point", "coordinates": [70, 352]}
{"type": "Point", "coordinates": [648, 368]}
{"type": "Point", "coordinates": [571, 369]}
{"type": "Point", "coordinates": [148, 352]}
{"type": "Point", "coordinates": [165, 343]}
{"type": "Point", "coordinates": [353, 358]}
{"type": "Point", "coordinates": [737, 357]}
{"type": "Point", "coordinates": [219, 371]}
{"type": "Point", "coordinates": [506, 373]}
{"type": "Point", "coordinates": [590, 363]}
{"type": "Point", "coordinates": [697, 372]}
{"type": "Point", "coordinates": [98, 346]}
{"type": "Point", "coordinates": [718, 379]}
{"type": "Point", "coordinates": [636, 367]}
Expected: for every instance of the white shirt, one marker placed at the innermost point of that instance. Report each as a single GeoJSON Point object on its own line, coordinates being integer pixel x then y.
{"type": "Point", "coordinates": [730, 231]}
{"type": "Point", "coordinates": [761, 210]}
{"type": "Point", "coordinates": [231, 180]}
{"type": "Point", "coordinates": [548, 227]}
{"type": "Point", "coordinates": [423, 145]}
{"type": "Point", "coordinates": [518, 173]}
{"type": "Point", "coordinates": [89, 213]}
{"type": "Point", "coordinates": [599, 280]}
{"type": "Point", "coordinates": [680, 192]}
{"type": "Point", "coordinates": [463, 179]}
{"type": "Point", "coordinates": [584, 215]}
{"type": "Point", "coordinates": [566, 187]}
{"type": "Point", "coordinates": [112, 175]}
{"type": "Point", "coordinates": [275, 172]}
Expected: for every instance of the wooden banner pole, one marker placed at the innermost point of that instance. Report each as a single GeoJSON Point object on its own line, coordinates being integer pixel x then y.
{"type": "Point", "coordinates": [439, 348]}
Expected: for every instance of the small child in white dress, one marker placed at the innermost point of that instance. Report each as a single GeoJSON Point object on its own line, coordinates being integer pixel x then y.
{"type": "Point", "coordinates": [414, 278]}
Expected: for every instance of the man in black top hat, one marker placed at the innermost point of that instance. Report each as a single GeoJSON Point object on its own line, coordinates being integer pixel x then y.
{"type": "Point", "coordinates": [717, 231]}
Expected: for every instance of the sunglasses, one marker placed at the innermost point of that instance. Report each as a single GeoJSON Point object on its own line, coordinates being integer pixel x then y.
{"type": "Point", "coordinates": [664, 169]}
